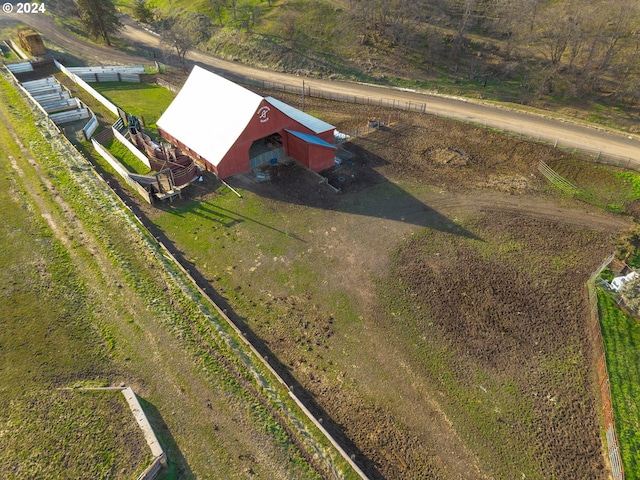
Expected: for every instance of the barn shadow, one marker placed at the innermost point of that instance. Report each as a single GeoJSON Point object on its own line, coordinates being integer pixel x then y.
{"type": "Point", "coordinates": [219, 298]}
{"type": "Point", "coordinates": [223, 216]}
{"type": "Point", "coordinates": [362, 190]}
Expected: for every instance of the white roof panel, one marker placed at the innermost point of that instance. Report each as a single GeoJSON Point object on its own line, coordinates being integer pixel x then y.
{"type": "Point", "coordinates": [312, 123]}
{"type": "Point", "coordinates": [209, 114]}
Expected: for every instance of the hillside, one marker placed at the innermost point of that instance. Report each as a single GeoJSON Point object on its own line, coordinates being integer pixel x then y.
{"type": "Point", "coordinates": [575, 57]}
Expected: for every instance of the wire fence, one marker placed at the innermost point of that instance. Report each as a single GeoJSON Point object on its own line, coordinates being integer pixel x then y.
{"type": "Point", "coordinates": [422, 107]}
{"type": "Point", "coordinates": [613, 446]}
{"type": "Point", "coordinates": [557, 180]}
{"type": "Point", "coordinates": [174, 83]}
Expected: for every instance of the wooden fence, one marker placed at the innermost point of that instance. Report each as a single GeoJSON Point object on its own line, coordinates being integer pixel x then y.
{"type": "Point", "coordinates": [88, 88]}
{"type": "Point", "coordinates": [121, 170]}
{"type": "Point", "coordinates": [164, 84]}
{"type": "Point", "coordinates": [613, 447]}
{"type": "Point", "coordinates": [159, 456]}
{"type": "Point", "coordinates": [130, 146]}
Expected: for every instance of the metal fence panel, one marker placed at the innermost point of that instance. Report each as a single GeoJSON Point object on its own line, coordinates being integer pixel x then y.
{"type": "Point", "coordinates": [20, 67]}
{"type": "Point", "coordinates": [71, 116]}
{"type": "Point", "coordinates": [50, 97]}
{"type": "Point", "coordinates": [60, 105]}
{"type": "Point", "coordinates": [266, 157]}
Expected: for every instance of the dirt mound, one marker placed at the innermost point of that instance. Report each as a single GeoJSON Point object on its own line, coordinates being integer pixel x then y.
{"type": "Point", "coordinates": [447, 156]}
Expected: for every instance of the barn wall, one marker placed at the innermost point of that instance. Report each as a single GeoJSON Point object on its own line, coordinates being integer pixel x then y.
{"type": "Point", "coordinates": [328, 136]}
{"type": "Point", "coordinates": [298, 149]}
{"type": "Point", "coordinates": [314, 157]}
{"type": "Point", "coordinates": [321, 158]}
{"type": "Point", "coordinates": [202, 161]}
{"type": "Point", "coordinates": [266, 121]}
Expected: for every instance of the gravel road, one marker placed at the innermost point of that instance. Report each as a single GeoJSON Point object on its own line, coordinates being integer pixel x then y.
{"type": "Point", "coordinates": [565, 133]}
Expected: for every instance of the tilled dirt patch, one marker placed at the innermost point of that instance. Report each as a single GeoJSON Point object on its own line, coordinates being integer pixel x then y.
{"type": "Point", "coordinates": [519, 312]}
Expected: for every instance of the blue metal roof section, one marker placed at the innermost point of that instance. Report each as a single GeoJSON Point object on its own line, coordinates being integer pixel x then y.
{"type": "Point", "coordinates": [307, 137]}
{"type": "Point", "coordinates": [312, 123]}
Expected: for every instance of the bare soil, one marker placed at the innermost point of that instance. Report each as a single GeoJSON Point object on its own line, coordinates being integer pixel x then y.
{"type": "Point", "coordinates": [492, 265]}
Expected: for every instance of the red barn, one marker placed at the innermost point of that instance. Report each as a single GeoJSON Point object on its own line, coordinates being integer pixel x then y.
{"type": "Point", "coordinates": [230, 129]}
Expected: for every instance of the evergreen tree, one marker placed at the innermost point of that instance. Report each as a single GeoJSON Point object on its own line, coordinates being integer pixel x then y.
{"type": "Point", "coordinates": [142, 12]}
{"type": "Point", "coordinates": [100, 17]}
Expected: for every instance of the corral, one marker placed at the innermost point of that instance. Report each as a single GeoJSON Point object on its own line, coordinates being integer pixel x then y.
{"type": "Point", "coordinates": [462, 280]}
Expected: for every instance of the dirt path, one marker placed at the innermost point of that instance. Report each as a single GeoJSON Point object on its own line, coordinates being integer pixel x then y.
{"type": "Point", "coordinates": [538, 208]}
{"type": "Point", "coordinates": [625, 147]}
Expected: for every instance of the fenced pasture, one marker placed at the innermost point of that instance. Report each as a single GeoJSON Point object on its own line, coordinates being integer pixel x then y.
{"type": "Point", "coordinates": [616, 190]}
{"type": "Point", "coordinates": [124, 155]}
{"type": "Point", "coordinates": [200, 352]}
{"type": "Point", "coordinates": [145, 100]}
{"type": "Point", "coordinates": [599, 311]}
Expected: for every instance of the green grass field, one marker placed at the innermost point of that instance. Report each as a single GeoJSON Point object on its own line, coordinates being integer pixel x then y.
{"type": "Point", "coordinates": [144, 100]}
{"type": "Point", "coordinates": [50, 339]}
{"type": "Point", "coordinates": [605, 187]}
{"type": "Point", "coordinates": [128, 159]}
{"type": "Point", "coordinates": [621, 337]}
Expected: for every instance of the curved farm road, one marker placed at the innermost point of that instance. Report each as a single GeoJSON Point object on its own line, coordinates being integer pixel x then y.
{"type": "Point", "coordinates": [555, 131]}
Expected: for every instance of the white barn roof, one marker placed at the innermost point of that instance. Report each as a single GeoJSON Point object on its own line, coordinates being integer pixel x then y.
{"type": "Point", "coordinates": [209, 114]}
{"type": "Point", "coordinates": [312, 123]}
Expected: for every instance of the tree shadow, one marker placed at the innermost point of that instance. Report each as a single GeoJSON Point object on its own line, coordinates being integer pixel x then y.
{"type": "Point", "coordinates": [177, 466]}
{"type": "Point", "coordinates": [65, 58]}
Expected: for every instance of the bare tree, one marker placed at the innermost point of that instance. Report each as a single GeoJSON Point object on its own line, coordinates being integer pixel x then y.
{"type": "Point", "coordinates": [234, 8]}
{"type": "Point", "coordinates": [362, 12]}
{"type": "Point", "coordinates": [248, 15]}
{"type": "Point", "coordinates": [611, 33]}
{"type": "Point", "coordinates": [459, 39]}
{"type": "Point", "coordinates": [218, 8]}
{"type": "Point", "coordinates": [183, 31]}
